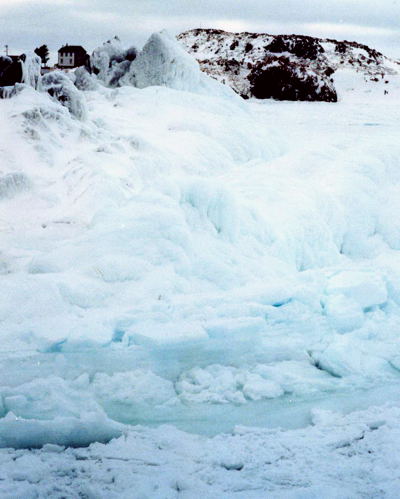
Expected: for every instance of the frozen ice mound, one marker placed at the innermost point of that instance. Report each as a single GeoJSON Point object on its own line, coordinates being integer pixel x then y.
{"type": "Point", "coordinates": [60, 87]}
{"type": "Point", "coordinates": [31, 65]}
{"type": "Point", "coordinates": [84, 80]}
{"type": "Point", "coordinates": [110, 62]}
{"type": "Point", "coordinates": [161, 62]}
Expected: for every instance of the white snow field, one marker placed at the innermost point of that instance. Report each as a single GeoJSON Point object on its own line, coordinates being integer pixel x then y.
{"type": "Point", "coordinates": [200, 295]}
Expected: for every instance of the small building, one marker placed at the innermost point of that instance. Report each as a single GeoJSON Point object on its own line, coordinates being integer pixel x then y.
{"type": "Point", "coordinates": [72, 56]}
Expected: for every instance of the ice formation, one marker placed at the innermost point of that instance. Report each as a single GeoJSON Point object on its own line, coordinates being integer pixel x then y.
{"type": "Point", "coordinates": [174, 258]}
{"type": "Point", "coordinates": [60, 87]}
{"type": "Point", "coordinates": [25, 70]}
{"type": "Point", "coordinates": [31, 65]}
{"type": "Point", "coordinates": [161, 62]}
{"type": "Point", "coordinates": [111, 61]}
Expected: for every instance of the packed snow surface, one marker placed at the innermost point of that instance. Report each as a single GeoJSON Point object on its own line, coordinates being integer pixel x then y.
{"type": "Point", "coordinates": [180, 256]}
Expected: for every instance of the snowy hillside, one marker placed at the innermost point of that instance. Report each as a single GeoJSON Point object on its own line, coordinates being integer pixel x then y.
{"type": "Point", "coordinates": [173, 254]}
{"type": "Point", "coordinates": [286, 67]}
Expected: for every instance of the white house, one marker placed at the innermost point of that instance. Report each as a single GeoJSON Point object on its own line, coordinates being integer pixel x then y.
{"type": "Point", "coordinates": [72, 56]}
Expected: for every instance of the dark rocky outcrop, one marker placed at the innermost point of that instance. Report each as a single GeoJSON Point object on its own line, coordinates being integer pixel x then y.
{"type": "Point", "coordinates": [281, 79]}
{"type": "Point", "coordinates": [284, 67]}
{"type": "Point", "coordinates": [17, 70]}
{"type": "Point", "coordinates": [304, 47]}
{"type": "Point", "coordinates": [10, 71]}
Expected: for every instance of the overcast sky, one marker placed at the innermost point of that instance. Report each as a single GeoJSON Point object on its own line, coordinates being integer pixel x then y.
{"type": "Point", "coordinates": [25, 24]}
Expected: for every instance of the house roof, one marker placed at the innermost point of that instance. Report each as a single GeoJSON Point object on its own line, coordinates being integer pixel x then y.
{"type": "Point", "coordinates": [72, 48]}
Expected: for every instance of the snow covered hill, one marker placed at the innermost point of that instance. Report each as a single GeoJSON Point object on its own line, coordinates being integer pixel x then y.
{"type": "Point", "coordinates": [171, 253]}
{"type": "Point", "coordinates": [285, 67]}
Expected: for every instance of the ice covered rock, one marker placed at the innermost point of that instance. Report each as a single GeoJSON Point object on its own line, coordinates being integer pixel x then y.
{"type": "Point", "coordinates": [103, 56]}
{"type": "Point", "coordinates": [163, 62]}
{"type": "Point", "coordinates": [10, 71]}
{"type": "Point", "coordinates": [25, 69]}
{"type": "Point", "coordinates": [289, 67]}
{"type": "Point", "coordinates": [31, 65]}
{"type": "Point", "coordinates": [59, 86]}
{"type": "Point", "coordinates": [84, 80]}
{"type": "Point", "coordinates": [111, 61]}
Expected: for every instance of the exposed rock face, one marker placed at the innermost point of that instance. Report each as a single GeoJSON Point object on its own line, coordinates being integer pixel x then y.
{"type": "Point", "coordinates": [282, 79]}
{"type": "Point", "coordinates": [10, 71]}
{"type": "Point", "coordinates": [13, 71]}
{"type": "Point", "coordinates": [283, 67]}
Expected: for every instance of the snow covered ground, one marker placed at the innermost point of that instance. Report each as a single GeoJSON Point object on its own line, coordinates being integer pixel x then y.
{"type": "Point", "coordinates": [179, 256]}
{"type": "Point", "coordinates": [337, 458]}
